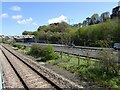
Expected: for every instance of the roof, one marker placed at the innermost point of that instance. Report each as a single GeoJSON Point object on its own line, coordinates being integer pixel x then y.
{"type": "Point", "coordinates": [23, 36]}
{"type": "Point", "coordinates": [18, 36]}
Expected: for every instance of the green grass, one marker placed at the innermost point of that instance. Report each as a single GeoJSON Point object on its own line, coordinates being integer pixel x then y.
{"type": "Point", "coordinates": [24, 50]}
{"type": "Point", "coordinates": [87, 68]}
{"type": "Point", "coordinates": [73, 60]}
{"type": "Point", "coordinates": [90, 69]}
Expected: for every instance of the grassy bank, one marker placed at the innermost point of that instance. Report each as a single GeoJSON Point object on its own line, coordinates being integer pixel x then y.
{"type": "Point", "coordinates": [90, 69]}
{"type": "Point", "coordinates": [86, 67]}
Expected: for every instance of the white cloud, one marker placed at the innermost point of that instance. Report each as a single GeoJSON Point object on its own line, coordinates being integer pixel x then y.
{"type": "Point", "coordinates": [3, 15]}
{"type": "Point", "coordinates": [34, 23]}
{"type": "Point", "coordinates": [17, 17]}
{"type": "Point", "coordinates": [28, 21]}
{"type": "Point", "coordinates": [15, 8]}
{"type": "Point", "coordinates": [25, 21]}
{"type": "Point", "coordinates": [62, 18]}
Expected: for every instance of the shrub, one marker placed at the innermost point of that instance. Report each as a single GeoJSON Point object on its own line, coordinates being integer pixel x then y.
{"type": "Point", "coordinates": [46, 53]}
{"type": "Point", "coordinates": [19, 46]}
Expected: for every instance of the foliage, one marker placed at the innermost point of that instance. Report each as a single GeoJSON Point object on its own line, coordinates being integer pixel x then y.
{"type": "Point", "coordinates": [4, 40]}
{"type": "Point", "coordinates": [30, 33]}
{"type": "Point", "coordinates": [93, 34]}
{"type": "Point", "coordinates": [65, 38]}
{"type": "Point", "coordinates": [93, 71]}
{"type": "Point", "coordinates": [103, 72]}
{"type": "Point", "coordinates": [46, 53]}
{"type": "Point", "coordinates": [18, 46]}
{"type": "Point", "coordinates": [52, 33]}
{"type": "Point", "coordinates": [109, 62]}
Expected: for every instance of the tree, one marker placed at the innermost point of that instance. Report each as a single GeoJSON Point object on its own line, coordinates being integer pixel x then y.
{"type": "Point", "coordinates": [25, 33]}
{"type": "Point", "coordinates": [42, 28]}
{"type": "Point", "coordinates": [94, 18]}
{"type": "Point", "coordinates": [41, 36]}
{"type": "Point", "coordinates": [5, 40]}
{"type": "Point", "coordinates": [80, 25]}
{"type": "Point", "coordinates": [55, 37]}
{"type": "Point", "coordinates": [65, 38]}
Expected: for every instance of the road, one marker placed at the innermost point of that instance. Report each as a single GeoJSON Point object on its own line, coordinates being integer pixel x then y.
{"type": "Point", "coordinates": [91, 52]}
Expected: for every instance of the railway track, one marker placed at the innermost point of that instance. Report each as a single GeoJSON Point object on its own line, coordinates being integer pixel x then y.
{"type": "Point", "coordinates": [9, 77]}
{"type": "Point", "coordinates": [30, 75]}
{"type": "Point", "coordinates": [27, 75]}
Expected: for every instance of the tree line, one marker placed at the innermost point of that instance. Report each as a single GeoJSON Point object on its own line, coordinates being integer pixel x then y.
{"type": "Point", "coordinates": [93, 35]}
{"type": "Point", "coordinates": [94, 31]}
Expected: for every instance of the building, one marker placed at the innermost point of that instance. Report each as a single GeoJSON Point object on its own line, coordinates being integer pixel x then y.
{"type": "Point", "coordinates": [88, 20]}
{"type": "Point", "coordinates": [104, 16]}
{"type": "Point", "coordinates": [119, 3]}
{"type": "Point", "coordinates": [85, 23]}
{"type": "Point", "coordinates": [116, 12]}
{"type": "Point", "coordinates": [24, 38]}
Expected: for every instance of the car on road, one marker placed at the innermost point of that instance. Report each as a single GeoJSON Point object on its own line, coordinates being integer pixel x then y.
{"type": "Point", "coordinates": [116, 46]}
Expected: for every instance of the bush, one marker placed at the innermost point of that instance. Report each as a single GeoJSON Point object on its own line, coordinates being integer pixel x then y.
{"type": "Point", "coordinates": [36, 50]}
{"type": "Point", "coordinates": [46, 53]}
{"type": "Point", "coordinates": [5, 40]}
{"type": "Point", "coordinates": [19, 46]}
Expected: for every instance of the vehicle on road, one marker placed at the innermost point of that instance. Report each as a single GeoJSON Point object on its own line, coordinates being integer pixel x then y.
{"type": "Point", "coordinates": [116, 46]}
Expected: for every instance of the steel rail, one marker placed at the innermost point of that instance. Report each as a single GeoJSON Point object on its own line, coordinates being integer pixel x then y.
{"type": "Point", "coordinates": [23, 83]}
{"type": "Point", "coordinates": [53, 84]}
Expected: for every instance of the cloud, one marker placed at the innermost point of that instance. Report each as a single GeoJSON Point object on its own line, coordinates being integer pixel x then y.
{"type": "Point", "coordinates": [17, 17]}
{"type": "Point", "coordinates": [34, 23]}
{"type": "Point", "coordinates": [28, 21]}
{"type": "Point", "coordinates": [15, 8]}
{"type": "Point", "coordinates": [62, 18]}
{"type": "Point", "coordinates": [3, 15]}
{"type": "Point", "coordinates": [25, 21]}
